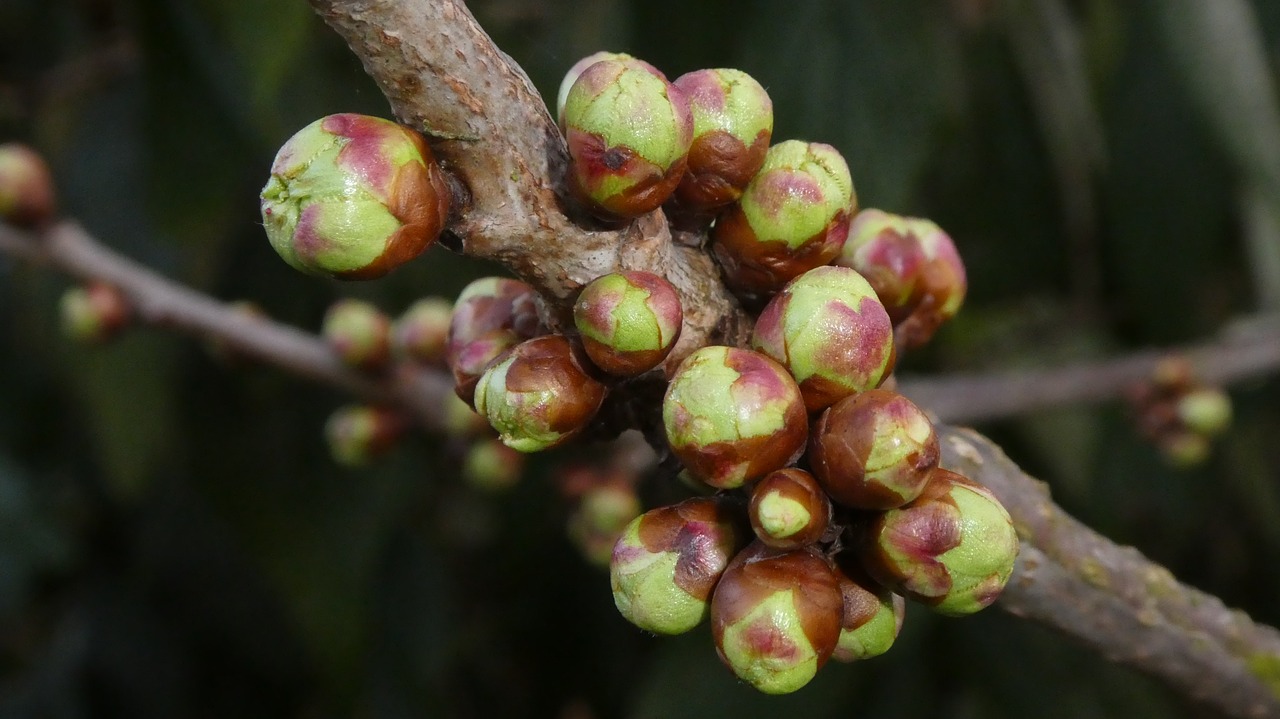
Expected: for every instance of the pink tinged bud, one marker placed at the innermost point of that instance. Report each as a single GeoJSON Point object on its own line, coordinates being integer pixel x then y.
{"type": "Point", "coordinates": [576, 69]}
{"type": "Point", "coordinates": [422, 332]}
{"type": "Point", "coordinates": [733, 415]}
{"type": "Point", "coordinates": [94, 313]}
{"type": "Point", "coordinates": [353, 197]}
{"type": "Point", "coordinates": [668, 560]}
{"type": "Point", "coordinates": [26, 186]}
{"type": "Point", "coordinates": [872, 615]}
{"type": "Point", "coordinates": [792, 217]}
{"type": "Point", "coordinates": [732, 126]}
{"type": "Point", "coordinates": [952, 548]}
{"type": "Point", "coordinates": [358, 333]}
{"type": "Point", "coordinates": [358, 434]}
{"type": "Point", "coordinates": [830, 332]}
{"type": "Point", "coordinates": [788, 509]}
{"type": "Point", "coordinates": [874, 450]}
{"type": "Point", "coordinates": [775, 617]}
{"type": "Point", "coordinates": [629, 321]}
{"type": "Point", "coordinates": [491, 315]}
{"type": "Point", "coordinates": [913, 266]}
{"type": "Point", "coordinates": [539, 395]}
{"type": "Point", "coordinates": [491, 466]}
{"type": "Point", "coordinates": [628, 132]}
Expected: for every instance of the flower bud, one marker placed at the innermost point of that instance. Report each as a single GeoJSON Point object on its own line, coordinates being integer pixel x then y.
{"type": "Point", "coordinates": [422, 332]}
{"type": "Point", "coordinates": [629, 321]}
{"type": "Point", "coordinates": [491, 315]}
{"type": "Point", "coordinates": [913, 266]}
{"type": "Point", "coordinates": [358, 333]}
{"type": "Point", "coordinates": [732, 124]}
{"type": "Point", "coordinates": [952, 548]}
{"type": "Point", "coordinates": [491, 466]}
{"type": "Point", "coordinates": [733, 415]}
{"type": "Point", "coordinates": [830, 332]}
{"type": "Point", "coordinates": [94, 313]}
{"type": "Point", "coordinates": [26, 186]}
{"type": "Point", "coordinates": [788, 509]}
{"type": "Point", "coordinates": [874, 450]}
{"type": "Point", "coordinates": [668, 560]}
{"type": "Point", "coordinates": [628, 132]}
{"type": "Point", "coordinates": [1205, 411]}
{"type": "Point", "coordinates": [872, 616]}
{"type": "Point", "coordinates": [602, 514]}
{"type": "Point", "coordinates": [358, 434]}
{"type": "Point", "coordinates": [775, 617]}
{"type": "Point", "coordinates": [539, 395]}
{"type": "Point", "coordinates": [793, 217]}
{"type": "Point", "coordinates": [354, 197]}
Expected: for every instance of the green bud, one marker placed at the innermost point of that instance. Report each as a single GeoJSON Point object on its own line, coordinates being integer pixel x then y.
{"type": "Point", "coordinates": [354, 197]}
{"type": "Point", "coordinates": [668, 560]}
{"type": "Point", "coordinates": [94, 313]}
{"type": "Point", "coordinates": [539, 395]}
{"type": "Point", "coordinates": [358, 434]}
{"type": "Point", "coordinates": [491, 315]}
{"type": "Point", "coordinates": [872, 616]}
{"type": "Point", "coordinates": [628, 131]}
{"type": "Point", "coordinates": [1205, 411]}
{"type": "Point", "coordinates": [358, 333]}
{"type": "Point", "coordinates": [602, 514]}
{"type": "Point", "coordinates": [952, 548]}
{"type": "Point", "coordinates": [831, 333]}
{"type": "Point", "coordinates": [732, 416]}
{"type": "Point", "coordinates": [788, 509]}
{"type": "Point", "coordinates": [422, 332]}
{"type": "Point", "coordinates": [26, 186]}
{"type": "Point", "coordinates": [492, 466]}
{"type": "Point", "coordinates": [732, 125]}
{"type": "Point", "coordinates": [629, 321]}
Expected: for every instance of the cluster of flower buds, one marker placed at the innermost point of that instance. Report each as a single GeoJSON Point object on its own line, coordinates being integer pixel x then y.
{"type": "Point", "coordinates": [829, 507]}
{"type": "Point", "coordinates": [1178, 413]}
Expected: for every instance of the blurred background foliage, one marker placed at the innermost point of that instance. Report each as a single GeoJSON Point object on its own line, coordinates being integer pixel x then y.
{"type": "Point", "coordinates": [175, 542]}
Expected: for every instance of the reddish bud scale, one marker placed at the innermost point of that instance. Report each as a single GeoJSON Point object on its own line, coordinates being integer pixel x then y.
{"type": "Point", "coordinates": [788, 509]}
{"type": "Point", "coordinates": [26, 186]}
{"type": "Point", "coordinates": [873, 450]}
{"type": "Point", "coordinates": [775, 617]}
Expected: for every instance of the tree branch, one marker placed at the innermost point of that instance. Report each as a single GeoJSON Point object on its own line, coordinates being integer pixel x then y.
{"type": "Point", "coordinates": [1110, 598]}
{"type": "Point", "coordinates": [1249, 349]}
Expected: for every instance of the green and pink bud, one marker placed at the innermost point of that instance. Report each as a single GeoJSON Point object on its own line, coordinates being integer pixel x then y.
{"type": "Point", "coordinates": [732, 125]}
{"type": "Point", "coordinates": [491, 466]}
{"type": "Point", "coordinates": [792, 217]}
{"type": "Point", "coordinates": [358, 333]}
{"type": "Point", "coordinates": [952, 548]}
{"type": "Point", "coordinates": [913, 266]}
{"type": "Point", "coordinates": [874, 450]}
{"type": "Point", "coordinates": [830, 331]}
{"type": "Point", "coordinates": [775, 617]}
{"type": "Point", "coordinates": [539, 395]}
{"type": "Point", "coordinates": [353, 197]}
{"type": "Point", "coordinates": [94, 313]}
{"type": "Point", "coordinates": [789, 509]}
{"type": "Point", "coordinates": [359, 434]}
{"type": "Point", "coordinates": [668, 560]}
{"type": "Point", "coordinates": [872, 616]}
{"type": "Point", "coordinates": [490, 316]}
{"type": "Point", "coordinates": [422, 332]}
{"type": "Point", "coordinates": [26, 186]}
{"type": "Point", "coordinates": [602, 514]}
{"type": "Point", "coordinates": [578, 67]}
{"type": "Point", "coordinates": [629, 321]}
{"type": "Point", "coordinates": [628, 131]}
{"type": "Point", "coordinates": [732, 416]}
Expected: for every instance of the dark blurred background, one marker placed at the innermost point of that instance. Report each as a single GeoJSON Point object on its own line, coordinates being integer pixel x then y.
{"type": "Point", "coordinates": [176, 542]}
